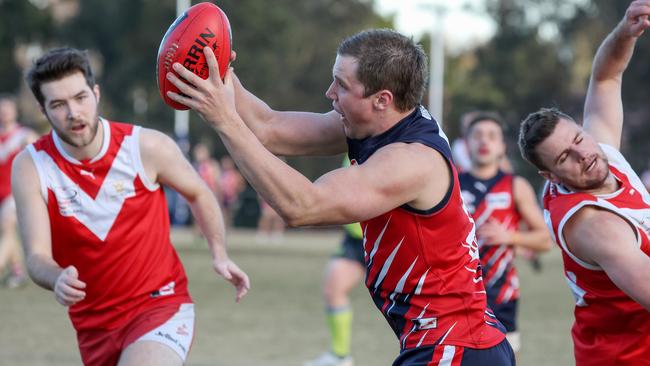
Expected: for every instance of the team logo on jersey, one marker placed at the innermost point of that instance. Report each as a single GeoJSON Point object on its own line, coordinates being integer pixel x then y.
{"type": "Point", "coordinates": [68, 200]}
{"type": "Point", "coordinates": [498, 201]}
{"type": "Point", "coordinates": [87, 173]}
{"type": "Point", "coordinates": [425, 323]}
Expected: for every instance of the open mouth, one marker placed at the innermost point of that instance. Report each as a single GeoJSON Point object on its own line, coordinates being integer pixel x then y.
{"type": "Point", "coordinates": [591, 165]}
{"type": "Point", "coordinates": [78, 128]}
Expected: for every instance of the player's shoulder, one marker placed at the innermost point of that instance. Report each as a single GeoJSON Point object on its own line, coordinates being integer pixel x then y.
{"type": "Point", "coordinates": [591, 218]}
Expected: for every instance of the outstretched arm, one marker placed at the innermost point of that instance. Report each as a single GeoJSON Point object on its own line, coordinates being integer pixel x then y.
{"type": "Point", "coordinates": [394, 175]}
{"type": "Point", "coordinates": [164, 163]}
{"type": "Point", "coordinates": [290, 133]}
{"type": "Point", "coordinates": [603, 114]}
{"type": "Point", "coordinates": [34, 227]}
{"type": "Point", "coordinates": [605, 239]}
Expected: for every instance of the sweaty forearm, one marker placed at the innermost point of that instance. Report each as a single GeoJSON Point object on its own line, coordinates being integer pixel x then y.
{"type": "Point", "coordinates": [43, 270]}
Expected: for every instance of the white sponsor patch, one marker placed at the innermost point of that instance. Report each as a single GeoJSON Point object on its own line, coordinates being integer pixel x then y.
{"type": "Point", "coordinates": [498, 201]}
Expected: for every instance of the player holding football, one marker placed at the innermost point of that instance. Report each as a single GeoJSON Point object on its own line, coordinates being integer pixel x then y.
{"type": "Point", "coordinates": [421, 255]}
{"type": "Point", "coordinates": [13, 138]}
{"type": "Point", "coordinates": [597, 208]}
{"type": "Point", "coordinates": [499, 202]}
{"type": "Point", "coordinates": [93, 219]}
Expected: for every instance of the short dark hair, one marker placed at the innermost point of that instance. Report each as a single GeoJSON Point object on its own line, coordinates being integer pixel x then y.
{"type": "Point", "coordinates": [535, 129]}
{"type": "Point", "coordinates": [486, 116]}
{"type": "Point", "coordinates": [388, 60]}
{"type": "Point", "coordinates": [57, 64]}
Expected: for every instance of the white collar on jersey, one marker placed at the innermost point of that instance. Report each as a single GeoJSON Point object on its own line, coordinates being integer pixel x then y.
{"type": "Point", "coordinates": [102, 152]}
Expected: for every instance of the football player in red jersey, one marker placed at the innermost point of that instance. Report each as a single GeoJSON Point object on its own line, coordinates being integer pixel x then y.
{"type": "Point", "coordinates": [94, 222]}
{"type": "Point", "coordinates": [422, 263]}
{"type": "Point", "coordinates": [13, 138]}
{"type": "Point", "coordinates": [598, 209]}
{"type": "Point", "coordinates": [499, 203]}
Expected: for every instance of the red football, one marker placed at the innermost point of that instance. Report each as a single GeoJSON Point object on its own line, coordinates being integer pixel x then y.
{"type": "Point", "coordinates": [202, 25]}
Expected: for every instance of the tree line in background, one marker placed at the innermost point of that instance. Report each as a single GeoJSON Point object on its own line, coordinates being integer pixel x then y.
{"type": "Point", "coordinates": [539, 56]}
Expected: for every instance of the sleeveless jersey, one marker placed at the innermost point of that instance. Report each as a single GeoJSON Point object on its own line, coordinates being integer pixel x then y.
{"type": "Point", "coordinates": [493, 199]}
{"type": "Point", "coordinates": [423, 269]}
{"type": "Point", "coordinates": [110, 222]}
{"type": "Point", "coordinates": [11, 143]}
{"type": "Point", "coordinates": [610, 328]}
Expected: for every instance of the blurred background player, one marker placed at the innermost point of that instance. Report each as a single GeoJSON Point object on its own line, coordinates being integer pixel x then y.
{"type": "Point", "coordinates": [13, 138]}
{"type": "Point", "coordinates": [207, 168]}
{"type": "Point", "coordinates": [344, 271]}
{"type": "Point", "coordinates": [232, 184]}
{"type": "Point", "coordinates": [270, 226]}
{"type": "Point", "coordinates": [500, 203]}
{"type": "Point", "coordinates": [597, 207]}
{"type": "Point", "coordinates": [94, 222]}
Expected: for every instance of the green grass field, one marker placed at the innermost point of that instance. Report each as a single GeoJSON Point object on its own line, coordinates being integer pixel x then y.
{"type": "Point", "coordinates": [280, 322]}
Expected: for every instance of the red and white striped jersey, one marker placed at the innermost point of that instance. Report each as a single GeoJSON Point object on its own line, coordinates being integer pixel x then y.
{"type": "Point", "coordinates": [111, 222]}
{"type": "Point", "coordinates": [423, 268]}
{"type": "Point", "coordinates": [11, 143]}
{"type": "Point", "coordinates": [494, 199]}
{"type": "Point", "coordinates": [610, 328]}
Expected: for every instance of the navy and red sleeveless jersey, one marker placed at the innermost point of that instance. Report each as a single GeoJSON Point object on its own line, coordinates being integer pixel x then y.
{"type": "Point", "coordinates": [610, 328]}
{"type": "Point", "coordinates": [111, 222]}
{"type": "Point", "coordinates": [493, 199]}
{"type": "Point", "coordinates": [423, 269]}
{"type": "Point", "coordinates": [11, 143]}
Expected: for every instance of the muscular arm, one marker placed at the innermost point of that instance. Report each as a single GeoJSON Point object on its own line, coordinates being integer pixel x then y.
{"type": "Point", "coordinates": [603, 113]}
{"type": "Point", "coordinates": [394, 175]}
{"type": "Point", "coordinates": [537, 236]}
{"type": "Point", "coordinates": [290, 133]}
{"type": "Point", "coordinates": [603, 238]}
{"type": "Point", "coordinates": [165, 164]}
{"type": "Point", "coordinates": [34, 227]}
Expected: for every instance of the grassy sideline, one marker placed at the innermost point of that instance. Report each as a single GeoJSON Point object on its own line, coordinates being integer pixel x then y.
{"type": "Point", "coordinates": [280, 322]}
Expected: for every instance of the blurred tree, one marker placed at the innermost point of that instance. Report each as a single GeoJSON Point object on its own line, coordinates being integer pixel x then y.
{"type": "Point", "coordinates": [22, 23]}
{"type": "Point", "coordinates": [541, 56]}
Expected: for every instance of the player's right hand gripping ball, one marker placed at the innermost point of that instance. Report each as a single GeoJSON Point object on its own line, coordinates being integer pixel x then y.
{"type": "Point", "coordinates": [204, 24]}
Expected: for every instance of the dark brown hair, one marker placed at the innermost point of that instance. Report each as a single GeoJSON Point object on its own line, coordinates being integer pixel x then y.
{"type": "Point", "coordinates": [391, 61]}
{"type": "Point", "coordinates": [57, 64]}
{"type": "Point", "coordinates": [535, 129]}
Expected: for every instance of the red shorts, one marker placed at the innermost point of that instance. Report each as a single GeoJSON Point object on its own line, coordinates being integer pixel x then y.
{"type": "Point", "coordinates": [104, 347]}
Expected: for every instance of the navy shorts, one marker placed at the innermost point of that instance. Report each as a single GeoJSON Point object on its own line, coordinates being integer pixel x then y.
{"type": "Point", "coordinates": [507, 314]}
{"type": "Point", "coordinates": [447, 355]}
{"type": "Point", "coordinates": [352, 249]}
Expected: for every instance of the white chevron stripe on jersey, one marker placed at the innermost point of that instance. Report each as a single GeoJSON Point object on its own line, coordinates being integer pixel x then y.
{"type": "Point", "coordinates": [387, 264]}
{"type": "Point", "coordinates": [377, 242]}
{"type": "Point", "coordinates": [418, 290]}
{"type": "Point", "coordinates": [400, 286]}
{"type": "Point", "coordinates": [97, 215]}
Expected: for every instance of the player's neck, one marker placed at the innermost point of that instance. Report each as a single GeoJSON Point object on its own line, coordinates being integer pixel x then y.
{"type": "Point", "coordinates": [387, 119]}
{"type": "Point", "coordinates": [486, 171]}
